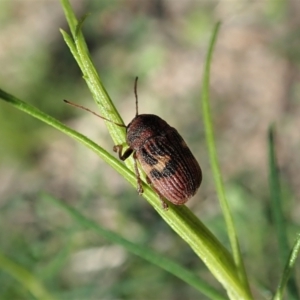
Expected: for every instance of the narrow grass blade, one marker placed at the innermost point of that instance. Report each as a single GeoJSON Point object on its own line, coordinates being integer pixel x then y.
{"type": "Point", "coordinates": [179, 218]}
{"type": "Point", "coordinates": [72, 47]}
{"type": "Point", "coordinates": [208, 124]}
{"type": "Point", "coordinates": [143, 252]}
{"type": "Point", "coordinates": [70, 16]}
{"type": "Point", "coordinates": [38, 114]}
{"type": "Point", "coordinates": [79, 50]}
{"type": "Point", "coordinates": [288, 269]}
{"type": "Point", "coordinates": [27, 279]}
{"type": "Point", "coordinates": [278, 216]}
{"type": "Point", "coordinates": [105, 105]}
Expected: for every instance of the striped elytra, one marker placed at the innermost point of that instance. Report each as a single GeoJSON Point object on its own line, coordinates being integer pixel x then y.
{"type": "Point", "coordinates": [164, 156]}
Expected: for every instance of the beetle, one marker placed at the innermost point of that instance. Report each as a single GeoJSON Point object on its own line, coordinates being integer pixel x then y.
{"type": "Point", "coordinates": [170, 167]}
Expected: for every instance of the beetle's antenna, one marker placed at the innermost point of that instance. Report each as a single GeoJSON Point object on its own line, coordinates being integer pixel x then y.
{"type": "Point", "coordinates": [84, 108]}
{"type": "Point", "coordinates": [136, 97]}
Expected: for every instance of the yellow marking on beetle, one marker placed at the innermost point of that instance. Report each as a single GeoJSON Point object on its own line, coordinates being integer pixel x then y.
{"type": "Point", "coordinates": [162, 162]}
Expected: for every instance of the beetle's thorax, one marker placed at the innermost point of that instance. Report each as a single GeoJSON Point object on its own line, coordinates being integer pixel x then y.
{"type": "Point", "coordinates": [143, 127]}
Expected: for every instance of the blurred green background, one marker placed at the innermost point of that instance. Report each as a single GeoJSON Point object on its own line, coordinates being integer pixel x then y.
{"type": "Point", "coordinates": [254, 82]}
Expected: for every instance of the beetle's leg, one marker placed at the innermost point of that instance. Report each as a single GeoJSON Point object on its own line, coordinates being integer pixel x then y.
{"type": "Point", "coordinates": [148, 180]}
{"type": "Point", "coordinates": [164, 204]}
{"type": "Point", "coordinates": [118, 149]}
{"type": "Point", "coordinates": [137, 173]}
{"type": "Point", "coordinates": [125, 155]}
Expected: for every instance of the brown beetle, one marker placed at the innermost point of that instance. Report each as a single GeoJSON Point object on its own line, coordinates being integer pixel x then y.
{"type": "Point", "coordinates": [170, 166]}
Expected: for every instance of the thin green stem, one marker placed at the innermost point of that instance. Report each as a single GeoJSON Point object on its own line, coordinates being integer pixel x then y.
{"type": "Point", "coordinates": [27, 279]}
{"type": "Point", "coordinates": [288, 269]}
{"type": "Point", "coordinates": [277, 211]}
{"type": "Point", "coordinates": [139, 250]}
{"type": "Point", "coordinates": [209, 132]}
{"type": "Point", "coordinates": [179, 218]}
{"type": "Point", "coordinates": [79, 50]}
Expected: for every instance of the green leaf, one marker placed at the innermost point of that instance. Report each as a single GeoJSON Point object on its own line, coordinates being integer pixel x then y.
{"type": "Point", "coordinates": [180, 218]}
{"type": "Point", "coordinates": [276, 206]}
{"type": "Point", "coordinates": [288, 269]}
{"type": "Point", "coordinates": [209, 133]}
{"type": "Point", "coordinates": [26, 278]}
{"type": "Point", "coordinates": [177, 221]}
{"type": "Point", "coordinates": [143, 252]}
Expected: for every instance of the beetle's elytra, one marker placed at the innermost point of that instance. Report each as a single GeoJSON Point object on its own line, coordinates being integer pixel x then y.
{"type": "Point", "coordinates": [164, 156]}
{"type": "Point", "coordinates": [170, 166]}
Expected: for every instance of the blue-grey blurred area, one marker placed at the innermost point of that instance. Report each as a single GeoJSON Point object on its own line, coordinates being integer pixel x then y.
{"type": "Point", "coordinates": [254, 83]}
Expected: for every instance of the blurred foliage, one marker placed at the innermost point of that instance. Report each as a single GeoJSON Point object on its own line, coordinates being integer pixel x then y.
{"type": "Point", "coordinates": [255, 81]}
